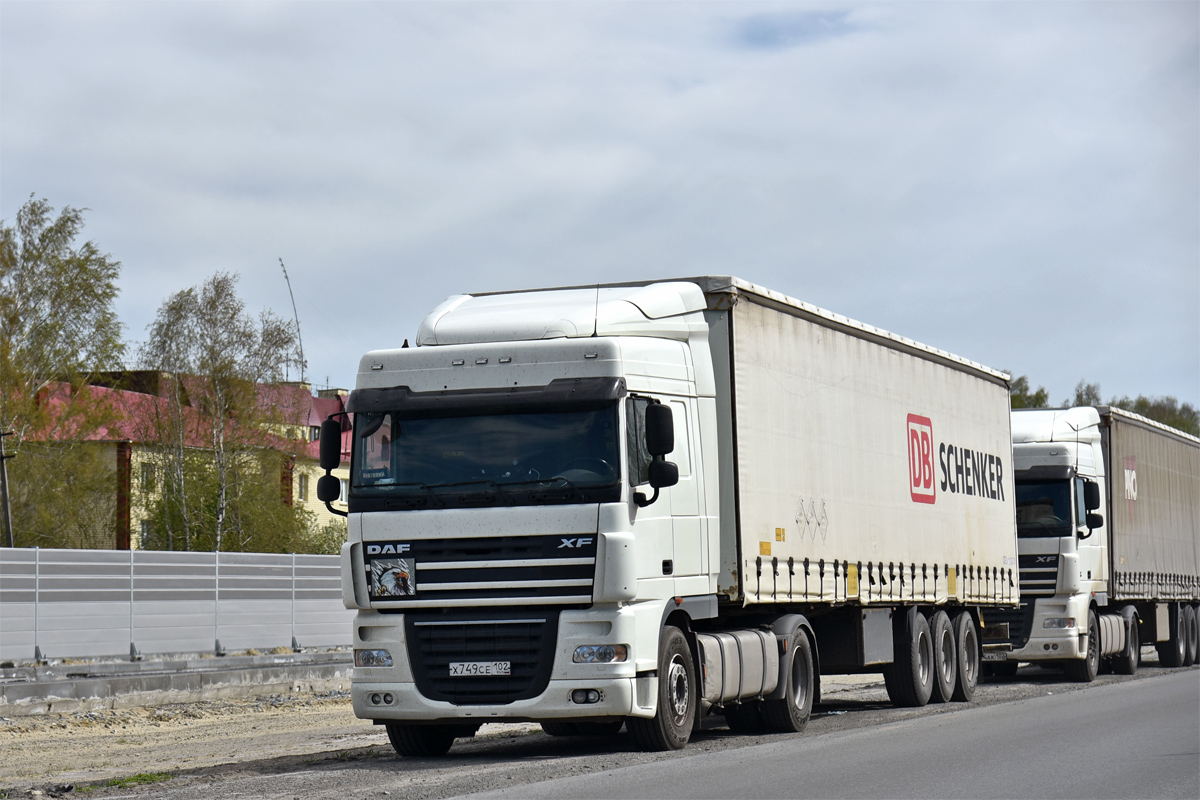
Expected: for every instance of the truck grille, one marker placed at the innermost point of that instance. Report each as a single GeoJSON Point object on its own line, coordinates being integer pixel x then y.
{"type": "Point", "coordinates": [1038, 574]}
{"type": "Point", "coordinates": [1019, 620]}
{"type": "Point", "coordinates": [492, 571]}
{"type": "Point", "coordinates": [525, 641]}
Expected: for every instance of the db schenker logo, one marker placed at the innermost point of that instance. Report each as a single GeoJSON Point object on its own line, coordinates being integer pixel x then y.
{"type": "Point", "coordinates": [920, 459]}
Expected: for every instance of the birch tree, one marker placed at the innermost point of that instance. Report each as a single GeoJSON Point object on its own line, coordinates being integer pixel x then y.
{"type": "Point", "coordinates": [216, 430]}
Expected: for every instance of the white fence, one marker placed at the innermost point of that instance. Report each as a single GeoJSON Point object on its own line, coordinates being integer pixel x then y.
{"type": "Point", "coordinates": [98, 603]}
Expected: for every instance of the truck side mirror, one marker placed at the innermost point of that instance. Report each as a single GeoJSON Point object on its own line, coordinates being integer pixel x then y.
{"type": "Point", "coordinates": [331, 445]}
{"type": "Point", "coordinates": [660, 429]}
{"type": "Point", "coordinates": [329, 488]}
{"type": "Point", "coordinates": [1091, 501]}
{"type": "Point", "coordinates": [1094, 521]}
{"type": "Point", "coordinates": [663, 474]}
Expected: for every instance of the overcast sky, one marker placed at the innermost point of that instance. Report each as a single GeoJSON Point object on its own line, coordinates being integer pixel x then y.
{"type": "Point", "coordinates": [1017, 183]}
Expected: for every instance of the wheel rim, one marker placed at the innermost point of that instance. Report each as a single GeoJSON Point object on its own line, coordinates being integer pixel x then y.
{"type": "Point", "coordinates": [800, 677]}
{"type": "Point", "coordinates": [678, 689]}
{"type": "Point", "coordinates": [924, 657]}
{"type": "Point", "coordinates": [970, 663]}
{"type": "Point", "coordinates": [946, 652]}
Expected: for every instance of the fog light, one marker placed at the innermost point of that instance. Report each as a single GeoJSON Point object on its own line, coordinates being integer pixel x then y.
{"type": "Point", "coordinates": [1059, 622]}
{"type": "Point", "coordinates": [600, 653]}
{"type": "Point", "coordinates": [372, 658]}
{"type": "Point", "coordinates": [585, 696]}
{"type": "Point", "coordinates": [387, 699]}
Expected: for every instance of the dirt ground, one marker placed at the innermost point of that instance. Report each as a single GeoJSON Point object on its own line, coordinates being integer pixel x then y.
{"type": "Point", "coordinates": [92, 747]}
{"type": "Point", "coordinates": [97, 745]}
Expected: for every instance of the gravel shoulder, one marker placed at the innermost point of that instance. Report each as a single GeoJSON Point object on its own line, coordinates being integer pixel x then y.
{"type": "Point", "coordinates": [311, 745]}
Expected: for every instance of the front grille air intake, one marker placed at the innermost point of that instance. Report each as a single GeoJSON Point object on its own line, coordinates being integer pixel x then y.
{"type": "Point", "coordinates": [525, 641]}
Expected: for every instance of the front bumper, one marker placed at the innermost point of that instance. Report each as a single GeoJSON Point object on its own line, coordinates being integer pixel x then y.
{"type": "Point", "coordinates": [618, 698]}
{"type": "Point", "coordinates": [1056, 644]}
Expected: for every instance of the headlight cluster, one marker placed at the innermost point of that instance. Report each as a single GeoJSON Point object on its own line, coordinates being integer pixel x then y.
{"type": "Point", "coordinates": [372, 658]}
{"type": "Point", "coordinates": [1059, 622]}
{"type": "Point", "coordinates": [600, 653]}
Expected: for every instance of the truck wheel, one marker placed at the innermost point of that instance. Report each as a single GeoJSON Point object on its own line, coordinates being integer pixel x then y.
{"type": "Point", "coordinates": [1126, 662]}
{"type": "Point", "coordinates": [745, 717]}
{"type": "Point", "coordinates": [1084, 670]}
{"type": "Point", "coordinates": [966, 640]}
{"type": "Point", "coordinates": [1189, 626]}
{"type": "Point", "coordinates": [1172, 652]}
{"type": "Point", "coordinates": [421, 741]}
{"type": "Point", "coordinates": [945, 658]}
{"type": "Point", "coordinates": [909, 679]}
{"type": "Point", "coordinates": [560, 728]}
{"type": "Point", "coordinates": [790, 713]}
{"type": "Point", "coordinates": [671, 726]}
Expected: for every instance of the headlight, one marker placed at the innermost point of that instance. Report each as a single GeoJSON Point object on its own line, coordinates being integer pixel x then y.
{"type": "Point", "coordinates": [1059, 622]}
{"type": "Point", "coordinates": [372, 658]}
{"type": "Point", "coordinates": [600, 653]}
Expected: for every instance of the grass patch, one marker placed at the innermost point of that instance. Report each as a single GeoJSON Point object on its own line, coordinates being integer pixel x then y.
{"type": "Point", "coordinates": [141, 779]}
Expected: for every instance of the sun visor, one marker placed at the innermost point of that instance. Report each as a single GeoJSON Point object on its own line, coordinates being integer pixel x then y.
{"type": "Point", "coordinates": [558, 313]}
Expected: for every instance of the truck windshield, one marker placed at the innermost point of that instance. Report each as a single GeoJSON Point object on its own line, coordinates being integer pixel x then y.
{"type": "Point", "coordinates": [1043, 508]}
{"type": "Point", "coordinates": [445, 459]}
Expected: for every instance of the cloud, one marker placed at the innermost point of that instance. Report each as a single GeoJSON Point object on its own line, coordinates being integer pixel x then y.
{"type": "Point", "coordinates": [1014, 183]}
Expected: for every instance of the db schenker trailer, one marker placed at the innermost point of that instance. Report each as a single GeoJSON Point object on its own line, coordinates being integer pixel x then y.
{"type": "Point", "coordinates": [638, 504]}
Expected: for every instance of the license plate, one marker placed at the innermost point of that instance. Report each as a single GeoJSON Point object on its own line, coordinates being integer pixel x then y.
{"type": "Point", "coordinates": [467, 668]}
{"type": "Point", "coordinates": [1000, 656]}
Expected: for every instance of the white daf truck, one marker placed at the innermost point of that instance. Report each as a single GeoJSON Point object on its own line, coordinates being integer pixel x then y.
{"type": "Point", "coordinates": [1108, 526]}
{"type": "Point", "coordinates": [636, 504]}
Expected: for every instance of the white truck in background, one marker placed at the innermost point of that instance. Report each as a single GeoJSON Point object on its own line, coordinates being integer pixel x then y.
{"type": "Point", "coordinates": [636, 504]}
{"type": "Point", "coordinates": [1108, 526]}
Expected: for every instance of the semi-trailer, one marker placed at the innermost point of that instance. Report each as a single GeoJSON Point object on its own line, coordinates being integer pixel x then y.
{"type": "Point", "coordinates": [1108, 526]}
{"type": "Point", "coordinates": [638, 504]}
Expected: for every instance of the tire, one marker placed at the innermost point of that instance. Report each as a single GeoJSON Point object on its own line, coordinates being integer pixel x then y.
{"type": "Point", "coordinates": [1172, 652]}
{"type": "Point", "coordinates": [966, 640]}
{"type": "Point", "coordinates": [671, 726]}
{"type": "Point", "coordinates": [421, 741]}
{"type": "Point", "coordinates": [790, 713]}
{"type": "Point", "coordinates": [1084, 670]}
{"type": "Point", "coordinates": [745, 717]}
{"type": "Point", "coordinates": [909, 679]}
{"type": "Point", "coordinates": [1126, 662]}
{"type": "Point", "coordinates": [1189, 626]}
{"type": "Point", "coordinates": [945, 657]}
{"type": "Point", "coordinates": [561, 728]}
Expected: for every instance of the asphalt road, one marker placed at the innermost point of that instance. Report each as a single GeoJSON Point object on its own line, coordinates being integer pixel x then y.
{"type": "Point", "coordinates": [1136, 739]}
{"type": "Point", "coordinates": [1035, 735]}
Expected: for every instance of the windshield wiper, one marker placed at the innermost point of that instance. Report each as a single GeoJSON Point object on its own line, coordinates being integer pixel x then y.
{"type": "Point", "coordinates": [557, 479]}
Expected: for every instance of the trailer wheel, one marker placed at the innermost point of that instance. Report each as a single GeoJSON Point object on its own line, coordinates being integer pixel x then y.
{"type": "Point", "coordinates": [1084, 670]}
{"type": "Point", "coordinates": [790, 713]}
{"type": "Point", "coordinates": [1189, 626]}
{"type": "Point", "coordinates": [1126, 662]}
{"type": "Point", "coordinates": [421, 741]}
{"type": "Point", "coordinates": [1172, 652]}
{"type": "Point", "coordinates": [966, 640]}
{"type": "Point", "coordinates": [945, 657]}
{"type": "Point", "coordinates": [671, 726]}
{"type": "Point", "coordinates": [909, 679]}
